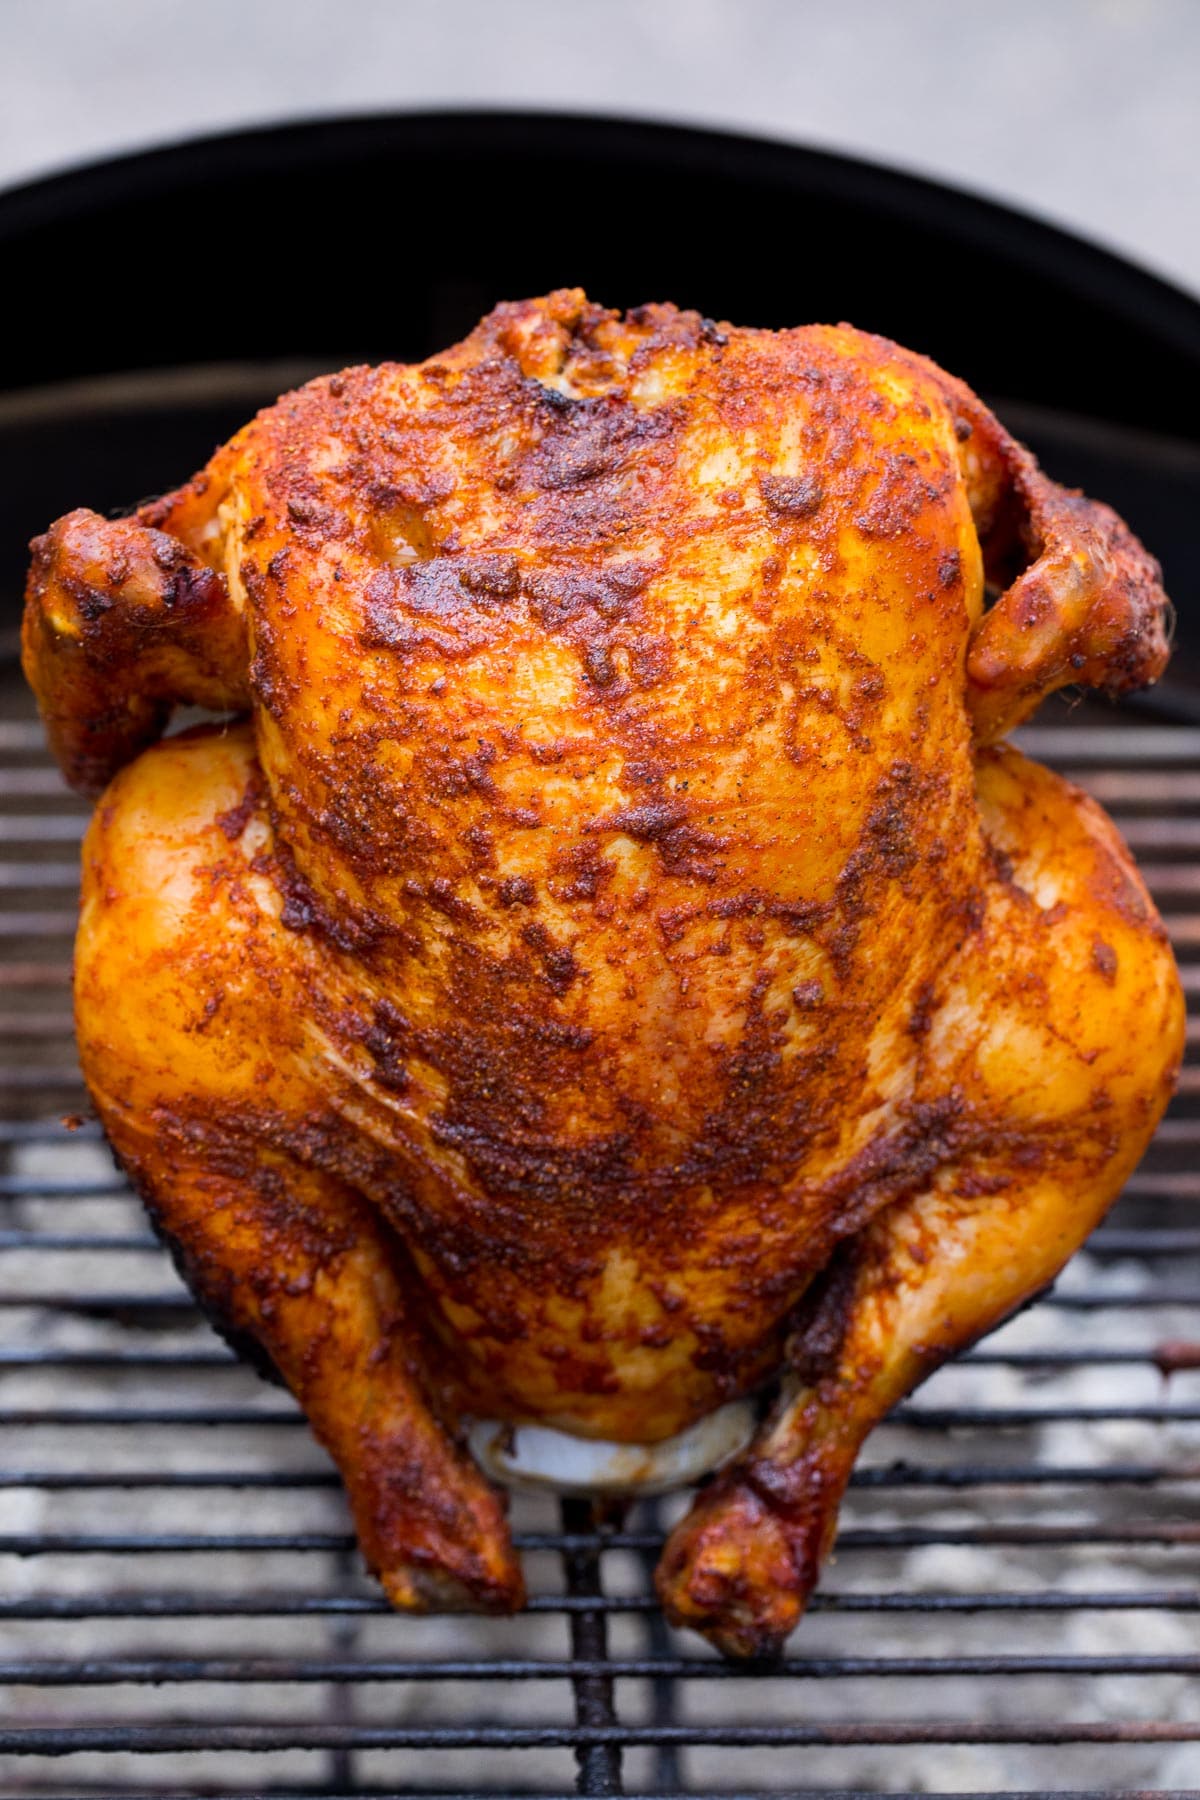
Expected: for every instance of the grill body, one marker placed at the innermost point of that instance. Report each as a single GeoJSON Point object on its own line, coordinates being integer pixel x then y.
{"type": "Point", "coordinates": [1014, 1605]}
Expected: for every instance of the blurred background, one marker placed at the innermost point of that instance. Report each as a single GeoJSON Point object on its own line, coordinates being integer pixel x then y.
{"type": "Point", "coordinates": [1084, 111]}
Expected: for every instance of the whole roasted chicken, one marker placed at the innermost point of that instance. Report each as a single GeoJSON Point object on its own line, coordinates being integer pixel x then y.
{"type": "Point", "coordinates": [613, 1006]}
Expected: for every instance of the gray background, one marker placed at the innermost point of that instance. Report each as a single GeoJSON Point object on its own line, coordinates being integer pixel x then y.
{"type": "Point", "coordinates": [1086, 111]}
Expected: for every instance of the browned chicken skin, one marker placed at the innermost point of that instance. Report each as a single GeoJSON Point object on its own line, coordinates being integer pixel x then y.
{"type": "Point", "coordinates": [616, 968]}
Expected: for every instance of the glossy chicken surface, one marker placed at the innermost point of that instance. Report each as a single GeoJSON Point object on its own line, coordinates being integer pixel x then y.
{"type": "Point", "coordinates": [615, 966]}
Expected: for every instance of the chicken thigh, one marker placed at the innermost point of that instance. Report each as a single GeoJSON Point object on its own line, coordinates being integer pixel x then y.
{"type": "Point", "coordinates": [613, 976]}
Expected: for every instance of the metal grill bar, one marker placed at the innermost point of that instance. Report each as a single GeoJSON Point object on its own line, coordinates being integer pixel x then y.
{"type": "Point", "coordinates": [576, 1545]}
{"type": "Point", "coordinates": [1165, 881]}
{"type": "Point", "coordinates": [896, 1475]}
{"type": "Point", "coordinates": [68, 1740]}
{"type": "Point", "coordinates": [1140, 830]}
{"type": "Point", "coordinates": [1162, 878]}
{"type": "Point", "coordinates": [1149, 1242]}
{"type": "Point", "coordinates": [922, 1418]}
{"type": "Point", "coordinates": [185, 1605]}
{"type": "Point", "coordinates": [66, 1075]}
{"type": "Point", "coordinates": [597, 1737]}
{"type": "Point", "coordinates": [425, 1792]}
{"type": "Point", "coordinates": [177, 1301]}
{"type": "Point", "coordinates": [268, 1671]}
{"type": "Point", "coordinates": [1168, 1184]}
{"type": "Point", "coordinates": [1170, 1357]}
{"type": "Point", "coordinates": [664, 1689]}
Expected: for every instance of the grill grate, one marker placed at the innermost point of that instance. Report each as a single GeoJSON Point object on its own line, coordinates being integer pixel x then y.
{"type": "Point", "coordinates": [1013, 1606]}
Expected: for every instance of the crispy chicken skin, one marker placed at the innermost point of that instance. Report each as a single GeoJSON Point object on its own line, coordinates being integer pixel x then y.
{"type": "Point", "coordinates": [615, 967]}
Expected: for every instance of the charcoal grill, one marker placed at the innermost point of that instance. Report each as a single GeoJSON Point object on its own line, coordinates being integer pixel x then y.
{"type": "Point", "coordinates": [1014, 1604]}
